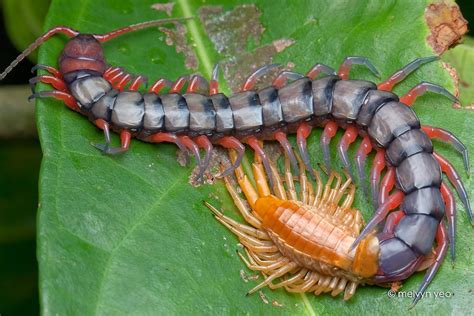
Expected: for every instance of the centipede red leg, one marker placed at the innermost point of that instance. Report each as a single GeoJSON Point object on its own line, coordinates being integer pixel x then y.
{"type": "Point", "coordinates": [378, 166]}
{"type": "Point", "coordinates": [214, 84]}
{"type": "Point", "coordinates": [159, 84]}
{"type": "Point", "coordinates": [137, 82]}
{"type": "Point", "coordinates": [255, 144]}
{"type": "Point", "coordinates": [179, 84]}
{"type": "Point", "coordinates": [193, 148]}
{"type": "Point", "coordinates": [284, 76]}
{"type": "Point", "coordinates": [388, 182]}
{"type": "Point", "coordinates": [59, 95]}
{"type": "Point", "coordinates": [447, 136]}
{"type": "Point", "coordinates": [57, 83]}
{"type": "Point", "coordinates": [125, 137]}
{"type": "Point", "coordinates": [196, 83]}
{"type": "Point", "coordinates": [204, 142]}
{"type": "Point", "coordinates": [123, 82]}
{"type": "Point", "coordinates": [364, 149]}
{"type": "Point", "coordinates": [347, 139]}
{"type": "Point", "coordinates": [392, 221]}
{"type": "Point", "coordinates": [53, 71]}
{"type": "Point", "coordinates": [442, 241]}
{"type": "Point", "coordinates": [329, 132]}
{"type": "Point", "coordinates": [112, 72]}
{"type": "Point", "coordinates": [393, 201]}
{"type": "Point", "coordinates": [302, 133]}
{"type": "Point", "coordinates": [346, 66]}
{"type": "Point", "coordinates": [252, 79]}
{"type": "Point", "coordinates": [410, 97]}
{"type": "Point", "coordinates": [231, 142]}
{"type": "Point", "coordinates": [318, 69]}
{"type": "Point", "coordinates": [401, 74]}
{"type": "Point", "coordinates": [454, 178]}
{"type": "Point", "coordinates": [450, 203]}
{"type": "Point", "coordinates": [168, 138]}
{"type": "Point", "coordinates": [285, 144]}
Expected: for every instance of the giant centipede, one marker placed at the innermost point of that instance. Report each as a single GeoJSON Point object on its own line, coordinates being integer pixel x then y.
{"type": "Point", "coordinates": [283, 237]}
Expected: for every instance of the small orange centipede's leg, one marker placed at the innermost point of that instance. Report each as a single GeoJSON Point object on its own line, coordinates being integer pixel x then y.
{"type": "Point", "coordinates": [125, 137]}
{"type": "Point", "coordinates": [249, 192]}
{"type": "Point", "coordinates": [401, 74]}
{"type": "Point", "coordinates": [256, 145]}
{"type": "Point", "coordinates": [276, 274]}
{"type": "Point", "coordinates": [59, 95]}
{"type": "Point", "coordinates": [229, 222]}
{"type": "Point", "coordinates": [456, 181]}
{"type": "Point", "coordinates": [260, 178]}
{"type": "Point", "coordinates": [348, 62]}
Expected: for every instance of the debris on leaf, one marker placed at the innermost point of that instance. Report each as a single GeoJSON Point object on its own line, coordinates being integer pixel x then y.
{"type": "Point", "coordinates": [165, 7]}
{"type": "Point", "coordinates": [446, 23]}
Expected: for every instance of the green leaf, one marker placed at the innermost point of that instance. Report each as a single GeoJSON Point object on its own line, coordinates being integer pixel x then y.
{"type": "Point", "coordinates": [462, 59]}
{"type": "Point", "coordinates": [128, 235]}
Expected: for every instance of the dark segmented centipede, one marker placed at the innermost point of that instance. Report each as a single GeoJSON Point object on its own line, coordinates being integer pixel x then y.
{"type": "Point", "coordinates": [194, 121]}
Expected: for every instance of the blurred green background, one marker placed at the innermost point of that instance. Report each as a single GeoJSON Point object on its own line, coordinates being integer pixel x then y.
{"type": "Point", "coordinates": [20, 157]}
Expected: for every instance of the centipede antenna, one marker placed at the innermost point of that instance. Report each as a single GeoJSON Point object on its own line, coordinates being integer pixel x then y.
{"type": "Point", "coordinates": [135, 27]}
{"type": "Point", "coordinates": [38, 42]}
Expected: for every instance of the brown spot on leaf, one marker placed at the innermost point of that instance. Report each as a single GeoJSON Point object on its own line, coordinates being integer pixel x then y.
{"type": "Point", "coordinates": [165, 7]}
{"type": "Point", "coordinates": [446, 23]}
{"type": "Point", "coordinates": [218, 163]}
{"type": "Point", "coordinates": [454, 74]}
{"type": "Point", "coordinates": [263, 297]}
{"type": "Point", "coordinates": [232, 33]}
{"type": "Point", "coordinates": [277, 304]}
{"type": "Point", "coordinates": [231, 30]}
{"type": "Point", "coordinates": [177, 36]}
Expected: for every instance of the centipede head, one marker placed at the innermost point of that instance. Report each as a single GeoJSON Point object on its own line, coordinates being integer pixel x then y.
{"type": "Point", "coordinates": [83, 47]}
